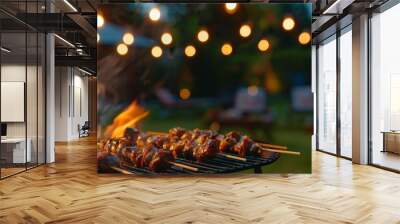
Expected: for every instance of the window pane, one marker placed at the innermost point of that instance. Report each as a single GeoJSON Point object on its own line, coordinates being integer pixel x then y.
{"type": "Point", "coordinates": [346, 94]}
{"type": "Point", "coordinates": [327, 96]}
{"type": "Point", "coordinates": [385, 86]}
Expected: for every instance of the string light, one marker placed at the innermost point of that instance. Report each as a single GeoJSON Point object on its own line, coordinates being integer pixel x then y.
{"type": "Point", "coordinates": [190, 51]}
{"type": "Point", "coordinates": [156, 51]}
{"type": "Point", "coordinates": [166, 38]}
{"type": "Point", "coordinates": [263, 45]}
{"type": "Point", "coordinates": [230, 7]}
{"type": "Point", "coordinates": [100, 21]}
{"type": "Point", "coordinates": [245, 30]}
{"type": "Point", "coordinates": [155, 14]}
{"type": "Point", "coordinates": [288, 23]}
{"type": "Point", "coordinates": [184, 94]}
{"type": "Point", "coordinates": [226, 49]}
{"type": "Point", "coordinates": [304, 38]}
{"type": "Point", "coordinates": [122, 49]}
{"type": "Point", "coordinates": [203, 36]}
{"type": "Point", "coordinates": [128, 38]}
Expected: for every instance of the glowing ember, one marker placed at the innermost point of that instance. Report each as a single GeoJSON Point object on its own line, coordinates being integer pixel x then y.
{"type": "Point", "coordinates": [129, 117]}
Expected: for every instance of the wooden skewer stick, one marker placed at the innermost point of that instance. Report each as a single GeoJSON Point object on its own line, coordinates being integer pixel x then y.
{"type": "Point", "coordinates": [184, 166]}
{"type": "Point", "coordinates": [233, 157]}
{"type": "Point", "coordinates": [121, 170]}
{"type": "Point", "coordinates": [282, 151]}
{"type": "Point", "coordinates": [271, 146]}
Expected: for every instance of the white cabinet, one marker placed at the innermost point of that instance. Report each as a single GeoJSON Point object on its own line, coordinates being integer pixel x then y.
{"type": "Point", "coordinates": [17, 146]}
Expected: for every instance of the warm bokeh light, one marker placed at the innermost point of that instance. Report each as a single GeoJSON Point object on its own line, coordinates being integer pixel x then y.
{"type": "Point", "coordinates": [128, 38]}
{"type": "Point", "coordinates": [226, 49]}
{"type": "Point", "coordinates": [263, 45]}
{"type": "Point", "coordinates": [184, 94]}
{"type": "Point", "coordinates": [304, 38]}
{"type": "Point", "coordinates": [288, 23]}
{"type": "Point", "coordinates": [203, 35]}
{"type": "Point", "coordinates": [156, 51]}
{"type": "Point", "coordinates": [230, 7]}
{"type": "Point", "coordinates": [252, 90]}
{"type": "Point", "coordinates": [166, 38]}
{"type": "Point", "coordinates": [98, 38]}
{"type": "Point", "coordinates": [245, 30]}
{"type": "Point", "coordinates": [122, 49]}
{"type": "Point", "coordinates": [155, 14]}
{"type": "Point", "coordinates": [190, 51]}
{"type": "Point", "coordinates": [100, 21]}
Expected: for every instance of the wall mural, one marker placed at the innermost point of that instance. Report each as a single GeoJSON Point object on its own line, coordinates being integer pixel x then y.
{"type": "Point", "coordinates": [204, 88]}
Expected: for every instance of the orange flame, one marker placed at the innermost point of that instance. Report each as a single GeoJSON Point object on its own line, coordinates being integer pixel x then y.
{"type": "Point", "coordinates": [128, 118]}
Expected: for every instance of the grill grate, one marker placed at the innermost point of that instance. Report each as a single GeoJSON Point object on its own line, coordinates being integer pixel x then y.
{"type": "Point", "coordinates": [219, 164]}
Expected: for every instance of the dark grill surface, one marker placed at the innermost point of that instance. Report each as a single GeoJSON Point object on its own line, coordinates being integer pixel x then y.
{"type": "Point", "coordinates": [220, 164]}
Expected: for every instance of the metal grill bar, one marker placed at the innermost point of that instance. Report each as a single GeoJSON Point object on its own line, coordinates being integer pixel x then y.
{"type": "Point", "coordinates": [219, 164]}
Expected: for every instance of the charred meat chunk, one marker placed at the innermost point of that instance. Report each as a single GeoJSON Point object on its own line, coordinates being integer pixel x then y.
{"type": "Point", "coordinates": [188, 150]}
{"type": "Point", "coordinates": [177, 149]}
{"type": "Point", "coordinates": [242, 148]}
{"type": "Point", "coordinates": [226, 145]}
{"type": "Point", "coordinates": [131, 135]}
{"type": "Point", "coordinates": [234, 134]}
{"type": "Point", "coordinates": [148, 153]}
{"type": "Point", "coordinates": [161, 161]}
{"type": "Point", "coordinates": [157, 141]}
{"type": "Point", "coordinates": [176, 132]}
{"type": "Point", "coordinates": [207, 151]}
{"type": "Point", "coordinates": [141, 140]}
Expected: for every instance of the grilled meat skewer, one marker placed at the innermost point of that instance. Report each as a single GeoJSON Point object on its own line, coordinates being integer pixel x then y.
{"type": "Point", "coordinates": [143, 151]}
{"type": "Point", "coordinates": [232, 142]}
{"type": "Point", "coordinates": [146, 155]}
{"type": "Point", "coordinates": [158, 152]}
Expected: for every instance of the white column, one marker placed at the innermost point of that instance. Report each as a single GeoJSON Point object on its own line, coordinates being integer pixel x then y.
{"type": "Point", "coordinates": [50, 93]}
{"type": "Point", "coordinates": [62, 103]}
{"type": "Point", "coordinates": [360, 90]}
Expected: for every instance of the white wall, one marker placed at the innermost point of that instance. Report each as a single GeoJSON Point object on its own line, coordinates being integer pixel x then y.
{"type": "Point", "coordinates": [12, 73]}
{"type": "Point", "coordinates": [61, 103]}
{"type": "Point", "coordinates": [16, 73]}
{"type": "Point", "coordinates": [33, 127]}
{"type": "Point", "coordinates": [71, 102]}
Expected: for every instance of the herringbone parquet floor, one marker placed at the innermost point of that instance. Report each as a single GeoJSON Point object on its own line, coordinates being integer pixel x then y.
{"type": "Point", "coordinates": [70, 191]}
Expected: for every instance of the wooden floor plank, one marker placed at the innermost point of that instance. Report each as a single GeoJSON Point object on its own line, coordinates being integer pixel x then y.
{"type": "Point", "coordinates": [70, 191]}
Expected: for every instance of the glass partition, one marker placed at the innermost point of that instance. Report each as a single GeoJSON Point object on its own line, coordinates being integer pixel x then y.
{"type": "Point", "coordinates": [14, 153]}
{"type": "Point", "coordinates": [22, 90]}
{"type": "Point", "coordinates": [32, 96]}
{"type": "Point", "coordinates": [327, 96]}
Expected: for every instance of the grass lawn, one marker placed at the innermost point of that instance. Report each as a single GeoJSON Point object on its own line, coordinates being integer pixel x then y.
{"type": "Point", "coordinates": [295, 138]}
